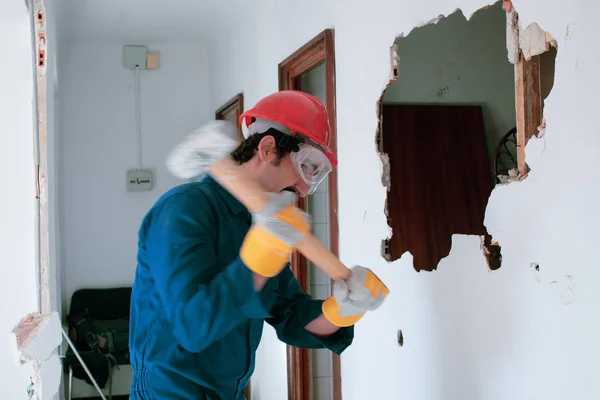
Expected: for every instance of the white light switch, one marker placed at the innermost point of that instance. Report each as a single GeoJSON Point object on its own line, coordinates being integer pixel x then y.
{"type": "Point", "coordinates": [139, 181]}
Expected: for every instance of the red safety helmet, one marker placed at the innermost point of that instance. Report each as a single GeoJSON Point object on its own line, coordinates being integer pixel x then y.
{"type": "Point", "coordinates": [299, 112]}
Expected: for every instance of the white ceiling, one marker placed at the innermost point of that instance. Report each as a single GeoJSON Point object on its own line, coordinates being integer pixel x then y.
{"type": "Point", "coordinates": [147, 20]}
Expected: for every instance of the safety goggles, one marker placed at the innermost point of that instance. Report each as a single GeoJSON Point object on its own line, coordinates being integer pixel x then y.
{"type": "Point", "coordinates": [311, 164]}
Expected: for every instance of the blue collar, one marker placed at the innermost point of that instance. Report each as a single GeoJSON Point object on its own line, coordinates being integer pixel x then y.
{"type": "Point", "coordinates": [232, 203]}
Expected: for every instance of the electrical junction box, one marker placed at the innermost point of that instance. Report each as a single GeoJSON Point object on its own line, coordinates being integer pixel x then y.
{"type": "Point", "coordinates": [139, 181]}
{"type": "Point", "coordinates": [135, 56]}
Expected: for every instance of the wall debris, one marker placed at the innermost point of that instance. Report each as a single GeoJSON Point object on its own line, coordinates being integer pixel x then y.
{"type": "Point", "coordinates": [385, 173]}
{"type": "Point", "coordinates": [536, 272]}
{"type": "Point", "coordinates": [400, 338]}
{"type": "Point", "coordinates": [513, 176]}
{"type": "Point", "coordinates": [532, 41]}
{"type": "Point", "coordinates": [512, 36]}
{"type": "Point", "coordinates": [492, 252]}
{"type": "Point", "coordinates": [394, 62]}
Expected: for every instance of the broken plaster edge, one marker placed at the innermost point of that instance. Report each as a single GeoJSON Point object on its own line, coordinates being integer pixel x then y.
{"type": "Point", "coordinates": [513, 48]}
{"type": "Point", "coordinates": [435, 20]}
{"type": "Point", "coordinates": [531, 41]}
{"type": "Point", "coordinates": [512, 37]}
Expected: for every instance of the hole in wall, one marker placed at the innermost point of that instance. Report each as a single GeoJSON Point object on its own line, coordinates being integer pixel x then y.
{"type": "Point", "coordinates": [450, 119]}
{"type": "Point", "coordinates": [400, 338]}
{"type": "Point", "coordinates": [491, 251]}
{"type": "Point", "coordinates": [537, 276]}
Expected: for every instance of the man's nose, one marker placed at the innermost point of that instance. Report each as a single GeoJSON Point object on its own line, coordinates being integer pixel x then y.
{"type": "Point", "coordinates": [302, 188]}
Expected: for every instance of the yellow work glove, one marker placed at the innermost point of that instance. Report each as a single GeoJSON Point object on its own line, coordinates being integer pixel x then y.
{"type": "Point", "coordinates": [269, 243]}
{"type": "Point", "coordinates": [352, 298]}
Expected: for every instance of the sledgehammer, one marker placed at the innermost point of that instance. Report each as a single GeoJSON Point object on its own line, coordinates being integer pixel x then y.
{"type": "Point", "coordinates": [208, 150]}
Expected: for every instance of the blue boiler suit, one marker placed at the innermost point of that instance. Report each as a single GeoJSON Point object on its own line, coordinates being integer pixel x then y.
{"type": "Point", "coordinates": [196, 319]}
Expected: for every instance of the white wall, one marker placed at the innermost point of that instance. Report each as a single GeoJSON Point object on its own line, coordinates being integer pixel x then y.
{"type": "Point", "coordinates": [100, 219]}
{"type": "Point", "coordinates": [460, 62]}
{"type": "Point", "coordinates": [469, 334]}
{"type": "Point", "coordinates": [17, 245]}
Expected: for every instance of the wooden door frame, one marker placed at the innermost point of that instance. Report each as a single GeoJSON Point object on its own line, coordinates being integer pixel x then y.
{"type": "Point", "coordinates": [236, 101]}
{"type": "Point", "coordinates": [317, 51]}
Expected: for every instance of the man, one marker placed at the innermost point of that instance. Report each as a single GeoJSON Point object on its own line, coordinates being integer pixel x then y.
{"type": "Point", "coordinates": [209, 273]}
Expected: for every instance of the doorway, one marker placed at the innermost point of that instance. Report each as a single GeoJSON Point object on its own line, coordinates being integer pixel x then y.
{"type": "Point", "coordinates": [231, 111]}
{"type": "Point", "coordinates": [315, 374]}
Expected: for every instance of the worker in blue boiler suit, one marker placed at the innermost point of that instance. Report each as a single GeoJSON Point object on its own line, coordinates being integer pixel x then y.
{"type": "Point", "coordinates": [209, 273]}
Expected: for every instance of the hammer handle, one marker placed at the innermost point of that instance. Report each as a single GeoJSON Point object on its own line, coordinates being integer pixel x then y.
{"type": "Point", "coordinates": [243, 187]}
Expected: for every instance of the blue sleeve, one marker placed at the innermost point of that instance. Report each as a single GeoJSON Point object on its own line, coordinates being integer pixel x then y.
{"type": "Point", "coordinates": [294, 309]}
{"type": "Point", "coordinates": [202, 300]}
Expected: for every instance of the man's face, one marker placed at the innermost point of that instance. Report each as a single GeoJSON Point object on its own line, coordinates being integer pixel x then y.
{"type": "Point", "coordinates": [277, 175]}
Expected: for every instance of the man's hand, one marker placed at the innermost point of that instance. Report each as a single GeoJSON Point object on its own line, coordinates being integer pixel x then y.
{"type": "Point", "coordinates": [268, 245]}
{"type": "Point", "coordinates": [352, 298]}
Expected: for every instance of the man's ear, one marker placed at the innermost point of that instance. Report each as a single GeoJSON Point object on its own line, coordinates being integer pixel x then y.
{"type": "Point", "coordinates": [267, 150]}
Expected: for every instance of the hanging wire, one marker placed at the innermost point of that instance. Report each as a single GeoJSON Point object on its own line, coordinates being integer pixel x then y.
{"type": "Point", "coordinates": [138, 114]}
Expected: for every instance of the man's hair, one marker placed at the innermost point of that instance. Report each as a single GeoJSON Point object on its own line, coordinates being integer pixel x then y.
{"type": "Point", "coordinates": [283, 143]}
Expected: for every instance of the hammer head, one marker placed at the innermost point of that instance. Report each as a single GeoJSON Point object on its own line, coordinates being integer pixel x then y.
{"type": "Point", "coordinates": [211, 142]}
